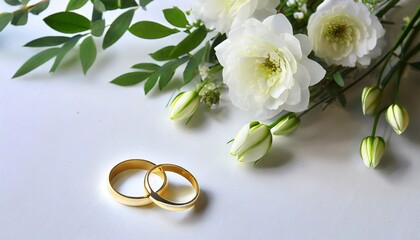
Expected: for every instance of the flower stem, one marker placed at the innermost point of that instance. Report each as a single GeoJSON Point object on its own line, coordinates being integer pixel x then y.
{"type": "Point", "coordinates": [386, 8]}
{"type": "Point", "coordinates": [375, 121]}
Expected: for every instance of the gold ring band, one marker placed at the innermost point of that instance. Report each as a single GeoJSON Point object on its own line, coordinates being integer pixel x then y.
{"type": "Point", "coordinates": [164, 203]}
{"type": "Point", "coordinates": [134, 164]}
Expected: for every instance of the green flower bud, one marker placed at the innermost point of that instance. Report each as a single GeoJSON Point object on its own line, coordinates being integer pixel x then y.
{"type": "Point", "coordinates": [252, 142]}
{"type": "Point", "coordinates": [371, 96]}
{"type": "Point", "coordinates": [371, 150]}
{"type": "Point", "coordinates": [184, 105]}
{"type": "Point", "coordinates": [397, 118]}
{"type": "Point", "coordinates": [287, 125]}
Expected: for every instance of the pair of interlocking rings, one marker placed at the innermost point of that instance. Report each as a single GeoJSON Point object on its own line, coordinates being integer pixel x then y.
{"type": "Point", "coordinates": [152, 196]}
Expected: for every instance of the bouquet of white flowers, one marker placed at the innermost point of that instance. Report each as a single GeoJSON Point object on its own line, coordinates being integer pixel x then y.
{"type": "Point", "coordinates": [278, 59]}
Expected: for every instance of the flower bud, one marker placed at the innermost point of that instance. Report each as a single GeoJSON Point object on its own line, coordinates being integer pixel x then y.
{"type": "Point", "coordinates": [371, 96]}
{"type": "Point", "coordinates": [184, 105]}
{"type": "Point", "coordinates": [397, 118]}
{"type": "Point", "coordinates": [371, 150]}
{"type": "Point", "coordinates": [252, 142]}
{"type": "Point", "coordinates": [287, 125]}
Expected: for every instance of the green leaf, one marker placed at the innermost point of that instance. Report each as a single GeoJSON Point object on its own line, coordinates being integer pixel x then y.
{"type": "Point", "coordinates": [338, 79]}
{"type": "Point", "coordinates": [47, 41]}
{"type": "Point", "coordinates": [5, 19]}
{"type": "Point", "coordinates": [146, 66]}
{"type": "Point", "coordinates": [114, 4]}
{"type": "Point", "coordinates": [176, 17]}
{"type": "Point", "coordinates": [13, 2]}
{"type": "Point", "coordinates": [118, 28]}
{"type": "Point", "coordinates": [20, 18]}
{"type": "Point", "coordinates": [67, 22]}
{"type": "Point", "coordinates": [96, 16]}
{"type": "Point", "coordinates": [163, 54]}
{"type": "Point", "coordinates": [98, 28]}
{"type": "Point", "coordinates": [211, 55]}
{"type": "Point", "coordinates": [415, 65]}
{"type": "Point", "coordinates": [190, 42]}
{"type": "Point", "coordinates": [87, 53]}
{"type": "Point", "coordinates": [151, 82]}
{"type": "Point", "coordinates": [191, 70]}
{"type": "Point", "coordinates": [151, 30]}
{"type": "Point", "coordinates": [75, 4]}
{"type": "Point", "coordinates": [40, 8]}
{"type": "Point", "coordinates": [99, 6]}
{"type": "Point", "coordinates": [144, 3]}
{"type": "Point", "coordinates": [131, 78]}
{"type": "Point", "coordinates": [67, 46]}
{"type": "Point", "coordinates": [168, 71]}
{"type": "Point", "coordinates": [36, 61]}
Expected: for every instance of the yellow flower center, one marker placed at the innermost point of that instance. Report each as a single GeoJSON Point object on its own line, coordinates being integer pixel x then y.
{"type": "Point", "coordinates": [271, 66]}
{"type": "Point", "coordinates": [338, 31]}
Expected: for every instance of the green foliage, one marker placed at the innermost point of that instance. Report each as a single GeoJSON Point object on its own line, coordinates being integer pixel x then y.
{"type": "Point", "coordinates": [40, 7]}
{"type": "Point", "coordinates": [151, 30]}
{"type": "Point", "coordinates": [62, 52]}
{"type": "Point", "coordinates": [144, 3]}
{"type": "Point", "coordinates": [131, 78]}
{"type": "Point", "coordinates": [99, 6]}
{"type": "Point", "coordinates": [67, 22]}
{"type": "Point", "coordinates": [36, 61]}
{"type": "Point", "coordinates": [146, 66]}
{"type": "Point", "coordinates": [98, 28]}
{"type": "Point", "coordinates": [87, 53]}
{"type": "Point", "coordinates": [338, 79]}
{"type": "Point", "coordinates": [176, 17]}
{"type": "Point", "coordinates": [118, 28]}
{"type": "Point", "coordinates": [5, 18]}
{"type": "Point", "coordinates": [47, 41]}
{"type": "Point", "coordinates": [75, 4]}
{"type": "Point", "coordinates": [20, 17]}
{"type": "Point", "coordinates": [163, 54]}
{"type": "Point", "coordinates": [115, 4]}
{"type": "Point", "coordinates": [190, 42]}
{"type": "Point", "coordinates": [191, 70]}
{"type": "Point", "coordinates": [13, 2]}
{"type": "Point", "coordinates": [152, 72]}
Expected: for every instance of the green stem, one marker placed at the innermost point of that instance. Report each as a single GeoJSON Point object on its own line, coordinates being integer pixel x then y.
{"type": "Point", "coordinates": [398, 82]}
{"type": "Point", "coordinates": [386, 8]}
{"type": "Point", "coordinates": [400, 39]}
{"type": "Point", "coordinates": [375, 121]}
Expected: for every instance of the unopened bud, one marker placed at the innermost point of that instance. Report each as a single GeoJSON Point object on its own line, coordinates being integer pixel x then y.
{"type": "Point", "coordinates": [371, 150]}
{"type": "Point", "coordinates": [252, 142]}
{"type": "Point", "coordinates": [397, 118]}
{"type": "Point", "coordinates": [287, 125]}
{"type": "Point", "coordinates": [371, 96]}
{"type": "Point", "coordinates": [184, 105]}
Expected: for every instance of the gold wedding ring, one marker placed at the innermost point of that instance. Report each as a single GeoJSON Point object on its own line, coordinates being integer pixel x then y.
{"type": "Point", "coordinates": [134, 164]}
{"type": "Point", "coordinates": [162, 202]}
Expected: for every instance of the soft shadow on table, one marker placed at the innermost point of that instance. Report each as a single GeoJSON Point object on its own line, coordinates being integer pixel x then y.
{"type": "Point", "coordinates": [276, 157]}
{"type": "Point", "coordinates": [392, 166]}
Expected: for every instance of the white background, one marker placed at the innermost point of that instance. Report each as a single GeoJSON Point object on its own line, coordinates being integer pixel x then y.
{"type": "Point", "coordinates": [61, 133]}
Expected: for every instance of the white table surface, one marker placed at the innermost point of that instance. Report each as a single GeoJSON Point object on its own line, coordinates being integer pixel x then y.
{"type": "Point", "coordinates": [61, 133]}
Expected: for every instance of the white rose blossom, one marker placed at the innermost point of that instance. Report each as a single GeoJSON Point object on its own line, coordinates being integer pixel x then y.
{"type": "Point", "coordinates": [223, 14]}
{"type": "Point", "coordinates": [266, 67]}
{"type": "Point", "coordinates": [344, 32]}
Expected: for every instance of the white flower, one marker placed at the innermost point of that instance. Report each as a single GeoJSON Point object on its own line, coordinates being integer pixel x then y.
{"type": "Point", "coordinates": [344, 32]}
{"type": "Point", "coordinates": [252, 142]}
{"type": "Point", "coordinates": [223, 14]}
{"type": "Point", "coordinates": [266, 67]}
